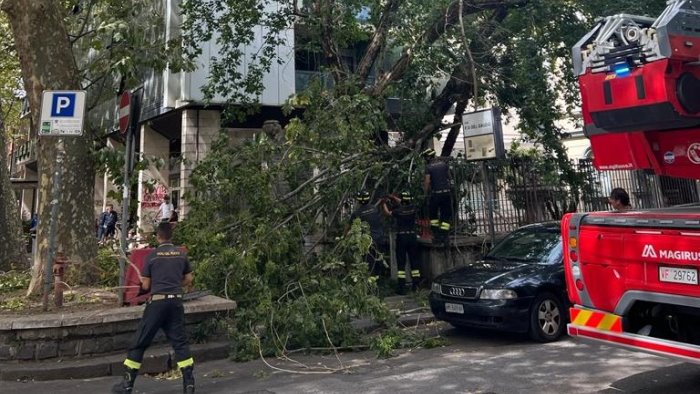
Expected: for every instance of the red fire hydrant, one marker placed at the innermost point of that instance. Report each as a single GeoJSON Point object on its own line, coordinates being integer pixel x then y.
{"type": "Point", "coordinates": [59, 265]}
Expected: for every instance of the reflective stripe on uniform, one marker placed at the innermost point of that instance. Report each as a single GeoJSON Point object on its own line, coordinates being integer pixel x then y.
{"type": "Point", "coordinates": [435, 223]}
{"type": "Point", "coordinates": [415, 273]}
{"type": "Point", "coordinates": [401, 274]}
{"type": "Point", "coordinates": [132, 364]}
{"type": "Point", "coordinates": [444, 226]}
{"type": "Point", "coordinates": [185, 363]}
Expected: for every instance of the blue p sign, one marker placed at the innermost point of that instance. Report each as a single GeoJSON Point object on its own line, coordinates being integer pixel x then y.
{"type": "Point", "coordinates": [63, 105]}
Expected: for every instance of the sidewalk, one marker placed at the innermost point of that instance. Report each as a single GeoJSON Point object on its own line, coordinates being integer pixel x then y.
{"type": "Point", "coordinates": [159, 359]}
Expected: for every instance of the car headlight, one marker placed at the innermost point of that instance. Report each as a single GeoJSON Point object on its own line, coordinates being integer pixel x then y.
{"type": "Point", "coordinates": [436, 288]}
{"type": "Point", "coordinates": [498, 294]}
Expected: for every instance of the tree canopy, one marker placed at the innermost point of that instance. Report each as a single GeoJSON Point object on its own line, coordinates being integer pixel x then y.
{"type": "Point", "coordinates": [265, 213]}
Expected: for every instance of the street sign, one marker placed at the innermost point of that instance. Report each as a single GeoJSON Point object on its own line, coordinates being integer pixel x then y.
{"type": "Point", "coordinates": [62, 113]}
{"type": "Point", "coordinates": [124, 112]}
{"type": "Point", "coordinates": [483, 137]}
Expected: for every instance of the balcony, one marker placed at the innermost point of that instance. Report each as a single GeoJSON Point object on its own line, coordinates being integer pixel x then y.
{"type": "Point", "coordinates": [25, 152]}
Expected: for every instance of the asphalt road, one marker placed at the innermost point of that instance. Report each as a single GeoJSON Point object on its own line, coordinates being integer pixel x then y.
{"type": "Point", "coordinates": [473, 363]}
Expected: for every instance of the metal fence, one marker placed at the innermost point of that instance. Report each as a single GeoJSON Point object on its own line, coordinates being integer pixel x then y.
{"type": "Point", "coordinates": [499, 196]}
{"type": "Point", "coordinates": [646, 190]}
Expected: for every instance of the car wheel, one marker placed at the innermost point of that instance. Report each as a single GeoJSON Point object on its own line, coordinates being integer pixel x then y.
{"type": "Point", "coordinates": [547, 318]}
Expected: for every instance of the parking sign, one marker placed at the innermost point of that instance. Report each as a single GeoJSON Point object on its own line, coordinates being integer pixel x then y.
{"type": "Point", "coordinates": [62, 113]}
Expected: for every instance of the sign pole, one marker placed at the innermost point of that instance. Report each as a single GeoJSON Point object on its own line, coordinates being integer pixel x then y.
{"type": "Point", "coordinates": [489, 195]}
{"type": "Point", "coordinates": [124, 215]}
{"type": "Point", "coordinates": [128, 123]}
{"type": "Point", "coordinates": [55, 195]}
{"type": "Point", "coordinates": [124, 128]}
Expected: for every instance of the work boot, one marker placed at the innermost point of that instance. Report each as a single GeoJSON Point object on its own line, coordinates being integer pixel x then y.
{"type": "Point", "coordinates": [126, 386]}
{"type": "Point", "coordinates": [188, 380]}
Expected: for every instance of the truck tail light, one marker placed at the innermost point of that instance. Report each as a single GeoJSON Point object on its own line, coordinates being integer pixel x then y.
{"type": "Point", "coordinates": [579, 284]}
{"type": "Point", "coordinates": [573, 242]}
{"type": "Point", "coordinates": [573, 256]}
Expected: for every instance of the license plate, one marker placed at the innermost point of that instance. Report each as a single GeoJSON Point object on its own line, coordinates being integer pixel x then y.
{"type": "Point", "coordinates": [454, 308]}
{"type": "Point", "coordinates": [688, 276]}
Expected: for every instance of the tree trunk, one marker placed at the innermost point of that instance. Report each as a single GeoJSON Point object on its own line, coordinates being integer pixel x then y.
{"type": "Point", "coordinates": [11, 229]}
{"type": "Point", "coordinates": [377, 41]}
{"type": "Point", "coordinates": [47, 63]}
{"type": "Point", "coordinates": [451, 139]}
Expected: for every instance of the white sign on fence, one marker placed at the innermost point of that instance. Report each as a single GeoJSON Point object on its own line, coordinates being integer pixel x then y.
{"type": "Point", "coordinates": [483, 137]}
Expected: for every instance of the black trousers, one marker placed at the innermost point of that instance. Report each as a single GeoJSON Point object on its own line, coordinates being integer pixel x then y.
{"type": "Point", "coordinates": [440, 209]}
{"type": "Point", "coordinates": [407, 245]}
{"type": "Point", "coordinates": [168, 315]}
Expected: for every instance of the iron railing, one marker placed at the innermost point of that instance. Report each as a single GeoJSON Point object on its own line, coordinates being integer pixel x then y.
{"type": "Point", "coordinates": [499, 196]}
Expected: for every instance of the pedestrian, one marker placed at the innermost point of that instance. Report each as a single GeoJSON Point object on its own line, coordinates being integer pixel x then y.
{"type": "Point", "coordinates": [101, 224]}
{"type": "Point", "coordinates": [405, 215]}
{"type": "Point", "coordinates": [166, 272]}
{"type": "Point", "coordinates": [619, 199]}
{"type": "Point", "coordinates": [436, 183]}
{"type": "Point", "coordinates": [369, 213]}
{"type": "Point", "coordinates": [34, 223]}
{"type": "Point", "coordinates": [106, 223]}
{"type": "Point", "coordinates": [111, 222]}
{"type": "Point", "coordinates": [165, 210]}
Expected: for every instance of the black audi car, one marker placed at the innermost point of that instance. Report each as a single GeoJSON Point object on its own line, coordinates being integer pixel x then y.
{"type": "Point", "coordinates": [519, 286]}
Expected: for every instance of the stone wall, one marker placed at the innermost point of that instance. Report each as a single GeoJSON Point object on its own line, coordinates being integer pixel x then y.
{"type": "Point", "coordinates": [85, 334]}
{"type": "Point", "coordinates": [462, 250]}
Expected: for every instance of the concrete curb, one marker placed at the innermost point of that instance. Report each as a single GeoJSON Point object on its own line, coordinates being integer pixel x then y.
{"type": "Point", "coordinates": [158, 359]}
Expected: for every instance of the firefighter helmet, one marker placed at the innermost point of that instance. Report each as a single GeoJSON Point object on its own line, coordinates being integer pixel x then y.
{"type": "Point", "coordinates": [362, 196]}
{"type": "Point", "coordinates": [405, 196]}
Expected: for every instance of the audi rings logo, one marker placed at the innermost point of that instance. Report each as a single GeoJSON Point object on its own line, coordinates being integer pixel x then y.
{"type": "Point", "coordinates": [457, 291]}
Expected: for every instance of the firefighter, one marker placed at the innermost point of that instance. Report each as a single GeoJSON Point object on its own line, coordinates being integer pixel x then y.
{"type": "Point", "coordinates": [369, 213]}
{"type": "Point", "coordinates": [436, 183]}
{"type": "Point", "coordinates": [405, 215]}
{"type": "Point", "coordinates": [166, 272]}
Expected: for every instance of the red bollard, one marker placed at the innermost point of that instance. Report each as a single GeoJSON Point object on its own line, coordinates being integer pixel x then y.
{"type": "Point", "coordinates": [59, 265]}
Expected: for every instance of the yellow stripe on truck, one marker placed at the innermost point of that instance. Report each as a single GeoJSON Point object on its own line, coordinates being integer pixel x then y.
{"type": "Point", "coordinates": [602, 321]}
{"type": "Point", "coordinates": [607, 322]}
{"type": "Point", "coordinates": [582, 317]}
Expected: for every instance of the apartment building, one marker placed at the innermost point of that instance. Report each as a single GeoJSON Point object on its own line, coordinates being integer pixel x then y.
{"type": "Point", "coordinates": [176, 124]}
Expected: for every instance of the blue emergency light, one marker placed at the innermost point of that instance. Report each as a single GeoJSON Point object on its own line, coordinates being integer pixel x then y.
{"type": "Point", "coordinates": [621, 70]}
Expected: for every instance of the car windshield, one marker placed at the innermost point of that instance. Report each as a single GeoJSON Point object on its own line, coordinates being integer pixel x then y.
{"type": "Point", "coordinates": [540, 245]}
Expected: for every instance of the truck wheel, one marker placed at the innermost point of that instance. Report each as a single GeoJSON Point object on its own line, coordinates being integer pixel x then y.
{"type": "Point", "coordinates": [547, 318]}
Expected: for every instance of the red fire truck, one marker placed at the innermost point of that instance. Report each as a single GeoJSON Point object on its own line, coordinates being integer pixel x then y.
{"type": "Point", "coordinates": [632, 276]}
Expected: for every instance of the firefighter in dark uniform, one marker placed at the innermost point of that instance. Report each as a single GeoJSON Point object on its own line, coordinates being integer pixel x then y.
{"type": "Point", "coordinates": [165, 273]}
{"type": "Point", "coordinates": [405, 215]}
{"type": "Point", "coordinates": [437, 183]}
{"type": "Point", "coordinates": [369, 213]}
